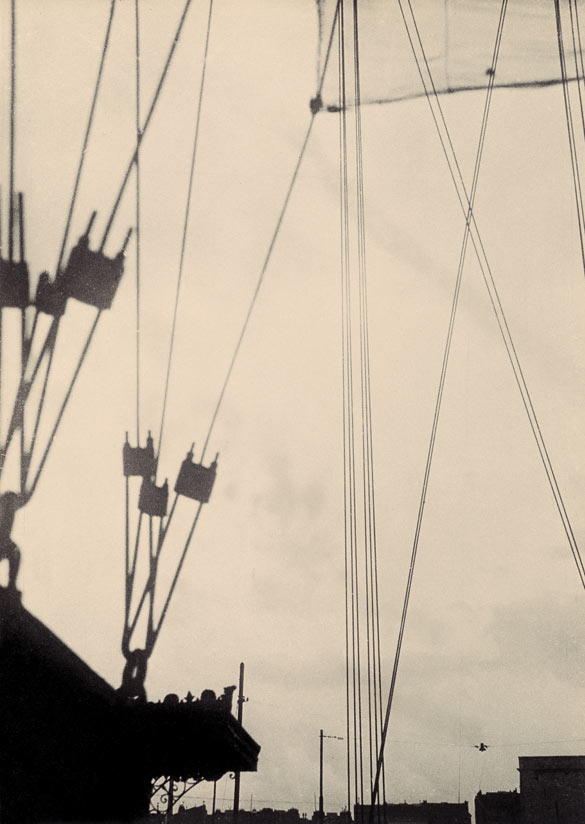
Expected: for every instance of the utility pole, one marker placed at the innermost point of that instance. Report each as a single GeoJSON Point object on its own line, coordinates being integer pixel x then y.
{"type": "Point", "coordinates": [321, 737]}
{"type": "Point", "coordinates": [321, 810]}
{"type": "Point", "coordinates": [241, 701]}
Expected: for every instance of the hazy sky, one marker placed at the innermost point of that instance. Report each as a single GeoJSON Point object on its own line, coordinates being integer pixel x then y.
{"type": "Point", "coordinates": [494, 649]}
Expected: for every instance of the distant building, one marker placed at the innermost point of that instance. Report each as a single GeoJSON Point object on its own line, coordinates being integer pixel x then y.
{"type": "Point", "coordinates": [191, 815]}
{"type": "Point", "coordinates": [552, 789]}
{"type": "Point", "coordinates": [264, 816]}
{"type": "Point", "coordinates": [498, 808]}
{"type": "Point", "coordinates": [332, 818]}
{"type": "Point", "coordinates": [424, 813]}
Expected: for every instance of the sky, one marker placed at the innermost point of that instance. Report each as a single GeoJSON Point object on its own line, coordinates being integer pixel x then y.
{"type": "Point", "coordinates": [493, 650]}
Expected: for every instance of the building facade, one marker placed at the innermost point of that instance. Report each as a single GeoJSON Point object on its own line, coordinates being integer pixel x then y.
{"type": "Point", "coordinates": [498, 808]}
{"type": "Point", "coordinates": [552, 789]}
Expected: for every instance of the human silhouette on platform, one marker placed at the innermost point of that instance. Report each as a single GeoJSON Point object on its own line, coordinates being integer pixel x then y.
{"type": "Point", "coordinates": [10, 502]}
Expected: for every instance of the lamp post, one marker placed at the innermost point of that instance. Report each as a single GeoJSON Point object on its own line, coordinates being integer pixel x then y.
{"type": "Point", "coordinates": [321, 737]}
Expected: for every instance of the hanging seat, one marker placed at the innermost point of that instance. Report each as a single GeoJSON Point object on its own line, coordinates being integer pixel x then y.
{"type": "Point", "coordinates": [90, 276]}
{"type": "Point", "coordinates": [14, 277]}
{"type": "Point", "coordinates": [14, 284]}
{"type": "Point", "coordinates": [139, 461]}
{"type": "Point", "coordinates": [153, 499]}
{"type": "Point", "coordinates": [50, 297]}
{"type": "Point", "coordinates": [196, 481]}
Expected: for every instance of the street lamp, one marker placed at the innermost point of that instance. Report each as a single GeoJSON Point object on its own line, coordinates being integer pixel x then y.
{"type": "Point", "coordinates": [321, 737]}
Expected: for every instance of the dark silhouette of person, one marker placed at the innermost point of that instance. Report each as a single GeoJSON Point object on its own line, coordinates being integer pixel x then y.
{"type": "Point", "coordinates": [10, 502]}
{"type": "Point", "coordinates": [225, 700]}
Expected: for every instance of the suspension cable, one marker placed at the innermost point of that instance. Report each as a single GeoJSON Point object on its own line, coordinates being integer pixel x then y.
{"type": "Point", "coordinates": [352, 453]}
{"type": "Point", "coordinates": [494, 297]}
{"type": "Point", "coordinates": [64, 404]}
{"type": "Point", "coordinates": [154, 553]}
{"type": "Point", "coordinates": [1, 340]}
{"type": "Point", "coordinates": [138, 214]}
{"type": "Point", "coordinates": [146, 124]}
{"type": "Point", "coordinates": [571, 128]}
{"type": "Point", "coordinates": [273, 238]}
{"type": "Point", "coordinates": [349, 431]}
{"type": "Point", "coordinates": [39, 411]}
{"type": "Point", "coordinates": [49, 343]}
{"type": "Point", "coordinates": [348, 547]}
{"type": "Point", "coordinates": [82, 156]}
{"type": "Point", "coordinates": [86, 136]}
{"type": "Point", "coordinates": [12, 130]}
{"type": "Point", "coordinates": [440, 392]}
{"type": "Point", "coordinates": [367, 439]}
{"type": "Point", "coordinates": [148, 590]}
{"type": "Point", "coordinates": [346, 493]}
{"type": "Point", "coordinates": [11, 229]}
{"type": "Point", "coordinates": [578, 56]}
{"type": "Point", "coordinates": [176, 575]}
{"type": "Point", "coordinates": [185, 227]}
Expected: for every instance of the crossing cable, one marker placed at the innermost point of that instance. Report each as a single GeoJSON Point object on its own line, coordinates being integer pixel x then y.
{"type": "Point", "coordinates": [578, 55]}
{"type": "Point", "coordinates": [185, 227]}
{"type": "Point", "coordinates": [274, 236]}
{"type": "Point", "coordinates": [63, 406]}
{"type": "Point", "coordinates": [146, 124]}
{"type": "Point", "coordinates": [502, 322]}
{"type": "Point", "coordinates": [570, 125]}
{"type": "Point", "coordinates": [494, 298]}
{"type": "Point", "coordinates": [149, 589]}
{"type": "Point", "coordinates": [579, 63]}
{"type": "Point", "coordinates": [440, 392]}
{"type": "Point", "coordinates": [456, 176]}
{"type": "Point", "coordinates": [41, 404]}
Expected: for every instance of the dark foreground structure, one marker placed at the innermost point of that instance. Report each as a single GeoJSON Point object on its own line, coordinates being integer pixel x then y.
{"type": "Point", "coordinates": [72, 751]}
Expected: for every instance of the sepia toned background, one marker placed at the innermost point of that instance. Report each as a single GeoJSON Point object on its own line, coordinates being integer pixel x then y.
{"type": "Point", "coordinates": [494, 646]}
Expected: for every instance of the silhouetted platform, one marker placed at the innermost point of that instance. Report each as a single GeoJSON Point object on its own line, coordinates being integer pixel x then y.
{"type": "Point", "coordinates": [70, 751]}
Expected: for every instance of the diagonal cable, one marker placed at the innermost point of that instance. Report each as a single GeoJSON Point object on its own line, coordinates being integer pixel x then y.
{"type": "Point", "coordinates": [273, 238]}
{"type": "Point", "coordinates": [185, 227]}
{"type": "Point", "coordinates": [146, 124]}
{"type": "Point", "coordinates": [457, 177]}
{"type": "Point", "coordinates": [438, 403]}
